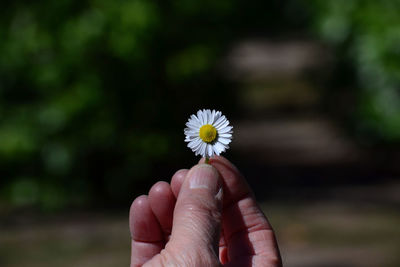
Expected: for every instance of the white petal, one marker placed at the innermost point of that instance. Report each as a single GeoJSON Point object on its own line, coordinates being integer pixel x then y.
{"type": "Point", "coordinates": [225, 135]}
{"type": "Point", "coordinates": [188, 130]}
{"type": "Point", "coordinates": [195, 119]}
{"type": "Point", "coordinates": [219, 147]}
{"type": "Point", "coordinates": [194, 143]}
{"type": "Point", "coordinates": [191, 137]}
{"type": "Point", "coordinates": [203, 117]}
{"type": "Point", "coordinates": [206, 116]}
{"type": "Point", "coordinates": [212, 117]}
{"type": "Point", "coordinates": [200, 117]}
{"type": "Point", "coordinates": [209, 150]}
{"type": "Point", "coordinates": [220, 121]}
{"type": "Point", "coordinates": [196, 149]}
{"type": "Point", "coordinates": [216, 151]}
{"type": "Point", "coordinates": [190, 134]}
{"type": "Point", "coordinates": [193, 124]}
{"type": "Point", "coordinates": [202, 150]}
{"type": "Point", "coordinates": [224, 141]}
{"type": "Point", "coordinates": [227, 129]}
{"type": "Point", "coordinates": [191, 130]}
{"type": "Point", "coordinates": [222, 125]}
{"type": "Point", "coordinates": [216, 117]}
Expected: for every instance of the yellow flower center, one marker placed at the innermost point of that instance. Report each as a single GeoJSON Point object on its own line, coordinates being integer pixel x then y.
{"type": "Point", "coordinates": [208, 133]}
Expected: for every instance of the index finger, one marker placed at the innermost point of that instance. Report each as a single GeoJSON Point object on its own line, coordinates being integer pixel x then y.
{"type": "Point", "coordinates": [235, 185]}
{"type": "Point", "coordinates": [247, 232]}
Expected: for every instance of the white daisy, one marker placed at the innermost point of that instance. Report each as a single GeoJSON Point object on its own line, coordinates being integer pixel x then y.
{"type": "Point", "coordinates": [208, 133]}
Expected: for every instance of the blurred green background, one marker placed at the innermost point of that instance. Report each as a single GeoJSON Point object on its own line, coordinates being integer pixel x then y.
{"type": "Point", "coordinates": [94, 96]}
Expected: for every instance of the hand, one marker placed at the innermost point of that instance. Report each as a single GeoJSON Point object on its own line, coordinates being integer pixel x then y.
{"type": "Point", "coordinates": [207, 216]}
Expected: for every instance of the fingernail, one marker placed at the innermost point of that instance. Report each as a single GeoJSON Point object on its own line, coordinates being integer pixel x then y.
{"type": "Point", "coordinates": [204, 176]}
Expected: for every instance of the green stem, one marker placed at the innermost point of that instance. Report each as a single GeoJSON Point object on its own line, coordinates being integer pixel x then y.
{"type": "Point", "coordinates": [207, 160]}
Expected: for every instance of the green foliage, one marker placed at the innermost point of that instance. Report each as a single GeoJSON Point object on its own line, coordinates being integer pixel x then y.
{"type": "Point", "coordinates": [94, 94]}
{"type": "Point", "coordinates": [367, 33]}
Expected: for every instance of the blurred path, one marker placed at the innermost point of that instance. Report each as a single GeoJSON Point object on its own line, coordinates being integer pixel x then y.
{"type": "Point", "coordinates": [295, 141]}
{"type": "Point", "coordinates": [282, 117]}
{"type": "Point", "coordinates": [351, 226]}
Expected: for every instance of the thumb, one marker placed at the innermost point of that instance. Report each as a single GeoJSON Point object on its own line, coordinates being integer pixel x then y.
{"type": "Point", "coordinates": [197, 215]}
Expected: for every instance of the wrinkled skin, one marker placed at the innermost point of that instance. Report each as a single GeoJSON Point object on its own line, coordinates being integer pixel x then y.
{"type": "Point", "coordinates": [207, 216]}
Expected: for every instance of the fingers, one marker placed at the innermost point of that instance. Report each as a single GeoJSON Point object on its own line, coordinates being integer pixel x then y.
{"type": "Point", "coordinates": [235, 186]}
{"type": "Point", "coordinates": [250, 234]}
{"type": "Point", "coordinates": [223, 249]}
{"type": "Point", "coordinates": [197, 215]}
{"type": "Point", "coordinates": [146, 233]}
{"type": "Point", "coordinates": [151, 219]}
{"type": "Point", "coordinates": [247, 231]}
{"type": "Point", "coordinates": [162, 203]}
{"type": "Point", "coordinates": [177, 181]}
{"type": "Point", "coordinates": [194, 203]}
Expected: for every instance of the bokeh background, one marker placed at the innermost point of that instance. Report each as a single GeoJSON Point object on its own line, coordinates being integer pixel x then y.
{"type": "Point", "coordinates": [94, 96]}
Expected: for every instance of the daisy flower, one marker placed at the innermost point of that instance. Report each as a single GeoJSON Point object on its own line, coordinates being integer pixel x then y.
{"type": "Point", "coordinates": [208, 133]}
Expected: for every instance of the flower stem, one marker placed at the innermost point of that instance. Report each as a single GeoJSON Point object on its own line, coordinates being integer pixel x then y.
{"type": "Point", "coordinates": [207, 160]}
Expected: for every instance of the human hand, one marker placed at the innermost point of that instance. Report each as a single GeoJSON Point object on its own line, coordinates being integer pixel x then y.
{"type": "Point", "coordinates": [207, 216]}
